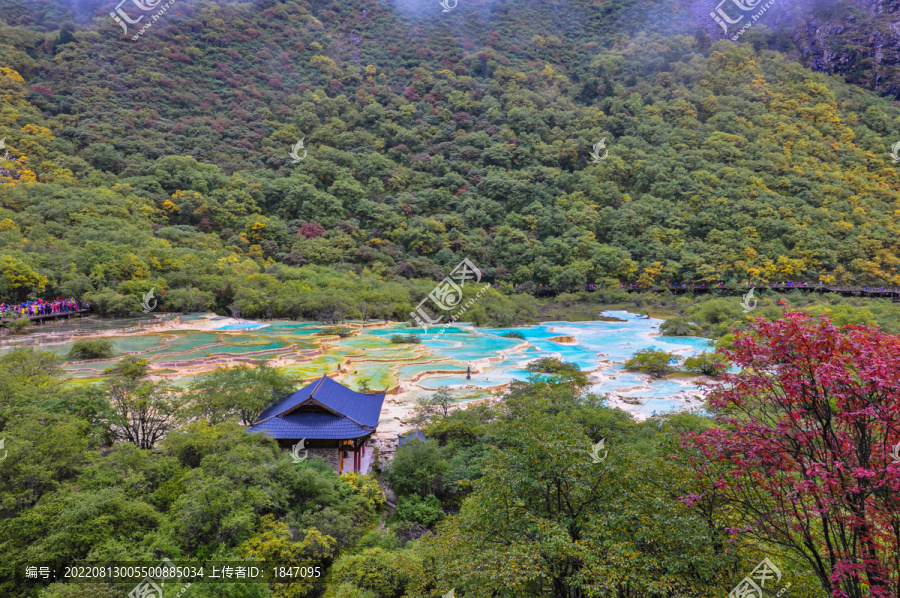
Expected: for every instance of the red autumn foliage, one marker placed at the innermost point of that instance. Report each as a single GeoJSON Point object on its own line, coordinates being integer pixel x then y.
{"type": "Point", "coordinates": [310, 230]}
{"type": "Point", "coordinates": [42, 89]}
{"type": "Point", "coordinates": [803, 459]}
{"type": "Point", "coordinates": [410, 94]}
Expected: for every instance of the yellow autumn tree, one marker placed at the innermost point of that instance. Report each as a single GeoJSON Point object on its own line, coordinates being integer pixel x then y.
{"type": "Point", "coordinates": [12, 86]}
{"type": "Point", "coordinates": [275, 546]}
{"type": "Point", "coordinates": [18, 279]}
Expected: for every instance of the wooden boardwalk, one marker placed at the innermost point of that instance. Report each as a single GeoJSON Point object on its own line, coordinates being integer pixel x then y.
{"type": "Point", "coordinates": [870, 291]}
{"type": "Point", "coordinates": [882, 292]}
{"type": "Point", "coordinates": [53, 316]}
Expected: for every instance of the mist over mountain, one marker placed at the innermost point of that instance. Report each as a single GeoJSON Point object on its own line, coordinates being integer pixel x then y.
{"type": "Point", "coordinates": [858, 39]}
{"type": "Point", "coordinates": [432, 135]}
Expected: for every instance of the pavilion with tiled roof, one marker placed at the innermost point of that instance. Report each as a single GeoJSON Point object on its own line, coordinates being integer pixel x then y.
{"type": "Point", "coordinates": [334, 421]}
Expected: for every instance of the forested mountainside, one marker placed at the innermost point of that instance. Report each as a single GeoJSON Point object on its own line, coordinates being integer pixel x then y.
{"type": "Point", "coordinates": [428, 137]}
{"type": "Point", "coordinates": [857, 39]}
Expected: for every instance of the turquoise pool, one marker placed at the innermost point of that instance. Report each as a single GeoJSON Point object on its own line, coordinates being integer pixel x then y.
{"type": "Point", "coordinates": [599, 347]}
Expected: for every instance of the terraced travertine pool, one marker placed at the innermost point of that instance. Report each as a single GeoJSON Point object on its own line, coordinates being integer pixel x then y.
{"type": "Point", "coordinates": [194, 344]}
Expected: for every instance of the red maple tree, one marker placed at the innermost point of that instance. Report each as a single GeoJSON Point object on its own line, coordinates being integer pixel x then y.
{"type": "Point", "coordinates": [310, 230]}
{"type": "Point", "coordinates": [805, 458]}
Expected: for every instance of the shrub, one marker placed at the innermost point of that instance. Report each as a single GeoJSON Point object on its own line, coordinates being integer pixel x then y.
{"type": "Point", "coordinates": [418, 468]}
{"type": "Point", "coordinates": [517, 335]}
{"type": "Point", "coordinates": [430, 408]}
{"type": "Point", "coordinates": [679, 326]}
{"type": "Point", "coordinates": [559, 370]}
{"type": "Point", "coordinates": [424, 511]}
{"type": "Point", "coordinates": [367, 487]}
{"type": "Point", "coordinates": [20, 326]}
{"type": "Point", "coordinates": [100, 348]}
{"type": "Point", "coordinates": [400, 339]}
{"type": "Point", "coordinates": [348, 590]}
{"type": "Point", "coordinates": [373, 570]}
{"type": "Point", "coordinates": [337, 331]}
{"type": "Point", "coordinates": [651, 361]}
{"type": "Point", "coordinates": [111, 303]}
{"type": "Point", "coordinates": [567, 299]}
{"type": "Point", "coordinates": [612, 293]}
{"type": "Point", "coordinates": [709, 364]}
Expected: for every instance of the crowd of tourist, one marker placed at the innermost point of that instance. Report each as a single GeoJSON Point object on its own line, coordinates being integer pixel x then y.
{"type": "Point", "coordinates": [711, 285]}
{"type": "Point", "coordinates": [722, 285]}
{"type": "Point", "coordinates": [39, 307]}
{"type": "Point", "coordinates": [13, 174]}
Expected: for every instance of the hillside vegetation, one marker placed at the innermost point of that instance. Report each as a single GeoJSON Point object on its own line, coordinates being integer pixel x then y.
{"type": "Point", "coordinates": [165, 162]}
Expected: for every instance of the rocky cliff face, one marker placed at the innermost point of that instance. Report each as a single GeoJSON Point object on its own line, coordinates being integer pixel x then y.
{"type": "Point", "coordinates": [857, 39]}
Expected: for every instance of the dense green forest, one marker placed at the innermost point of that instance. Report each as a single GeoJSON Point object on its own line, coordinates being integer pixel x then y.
{"type": "Point", "coordinates": [164, 163]}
